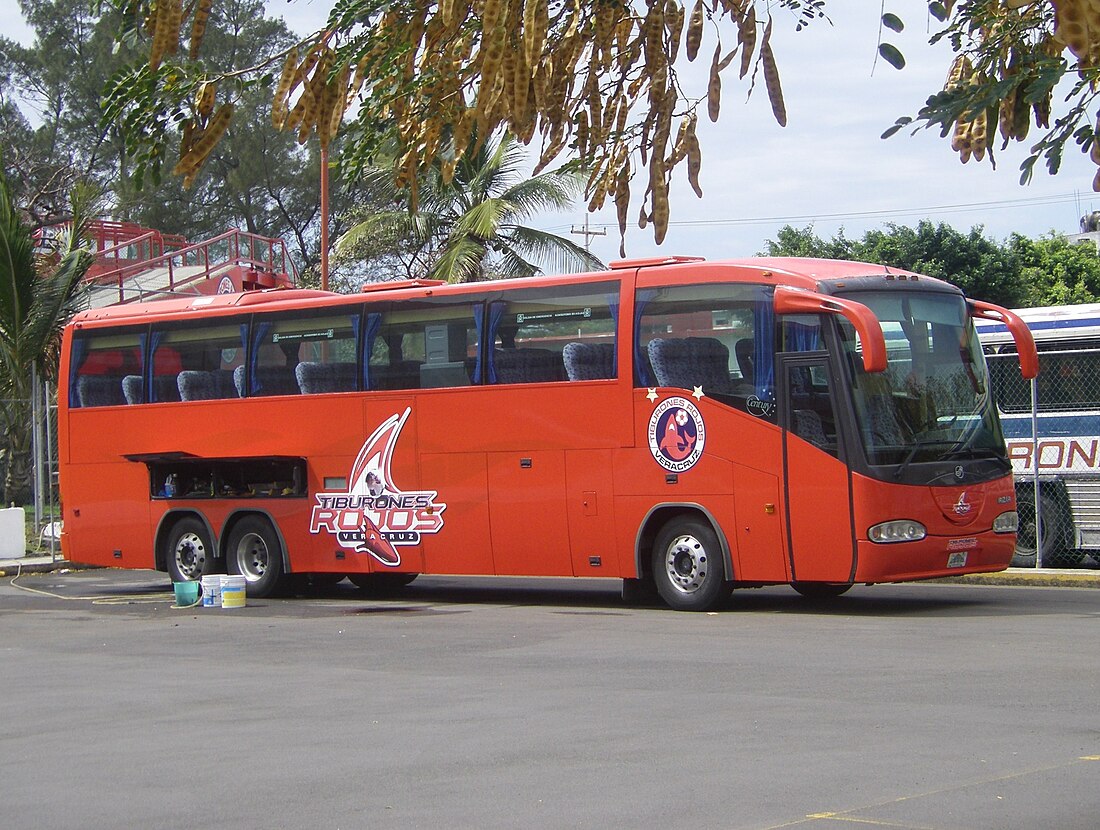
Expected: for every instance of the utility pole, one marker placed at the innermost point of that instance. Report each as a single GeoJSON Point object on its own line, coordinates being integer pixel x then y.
{"type": "Point", "coordinates": [588, 234]}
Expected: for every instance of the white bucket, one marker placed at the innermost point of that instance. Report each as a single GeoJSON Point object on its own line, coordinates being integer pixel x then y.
{"type": "Point", "coordinates": [233, 591]}
{"type": "Point", "coordinates": [212, 591]}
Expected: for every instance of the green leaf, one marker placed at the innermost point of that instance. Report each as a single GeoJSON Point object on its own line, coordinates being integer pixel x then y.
{"type": "Point", "coordinates": [891, 55]}
{"type": "Point", "coordinates": [892, 22]}
{"type": "Point", "coordinates": [938, 11]}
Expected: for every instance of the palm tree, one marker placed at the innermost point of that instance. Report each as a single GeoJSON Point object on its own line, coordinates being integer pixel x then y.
{"type": "Point", "coordinates": [35, 304]}
{"type": "Point", "coordinates": [469, 228]}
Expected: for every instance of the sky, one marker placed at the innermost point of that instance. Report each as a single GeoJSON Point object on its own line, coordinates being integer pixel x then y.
{"type": "Point", "coordinates": [828, 167]}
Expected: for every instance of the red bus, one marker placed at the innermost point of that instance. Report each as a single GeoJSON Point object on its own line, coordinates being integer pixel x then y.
{"type": "Point", "coordinates": [673, 423]}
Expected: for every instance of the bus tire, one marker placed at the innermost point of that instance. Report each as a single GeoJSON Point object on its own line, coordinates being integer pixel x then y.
{"type": "Point", "coordinates": [821, 590]}
{"type": "Point", "coordinates": [377, 584]}
{"type": "Point", "coordinates": [190, 553]}
{"type": "Point", "coordinates": [255, 552]}
{"type": "Point", "coordinates": [687, 565]}
{"type": "Point", "coordinates": [1053, 529]}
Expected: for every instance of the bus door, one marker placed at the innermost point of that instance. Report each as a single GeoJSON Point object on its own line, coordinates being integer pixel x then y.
{"type": "Point", "coordinates": [817, 485]}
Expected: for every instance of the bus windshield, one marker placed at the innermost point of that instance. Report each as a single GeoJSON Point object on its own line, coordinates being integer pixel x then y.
{"type": "Point", "coordinates": [932, 404]}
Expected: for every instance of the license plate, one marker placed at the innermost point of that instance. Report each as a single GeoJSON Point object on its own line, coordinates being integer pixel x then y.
{"type": "Point", "coordinates": [957, 559]}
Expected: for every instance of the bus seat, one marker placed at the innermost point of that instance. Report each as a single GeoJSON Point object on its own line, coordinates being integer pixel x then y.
{"type": "Point", "coordinates": [196, 386]}
{"type": "Point", "coordinates": [882, 422]}
{"type": "Point", "coordinates": [806, 424]}
{"type": "Point", "coordinates": [589, 361]}
{"type": "Point", "coordinates": [319, 378]}
{"type": "Point", "coordinates": [100, 390]}
{"type": "Point", "coordinates": [131, 389]}
{"type": "Point", "coordinates": [690, 362]}
{"type": "Point", "coordinates": [528, 365]}
{"type": "Point", "coordinates": [744, 350]}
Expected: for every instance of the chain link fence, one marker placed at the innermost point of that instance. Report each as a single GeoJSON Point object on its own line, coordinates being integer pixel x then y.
{"type": "Point", "coordinates": [1052, 429]}
{"type": "Point", "coordinates": [34, 468]}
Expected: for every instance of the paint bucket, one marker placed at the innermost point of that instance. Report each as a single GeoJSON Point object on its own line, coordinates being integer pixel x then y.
{"type": "Point", "coordinates": [187, 593]}
{"type": "Point", "coordinates": [211, 591]}
{"type": "Point", "coordinates": [233, 591]}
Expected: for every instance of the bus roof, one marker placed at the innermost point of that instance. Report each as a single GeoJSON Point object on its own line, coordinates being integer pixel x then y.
{"type": "Point", "coordinates": [1056, 322]}
{"type": "Point", "coordinates": [811, 274]}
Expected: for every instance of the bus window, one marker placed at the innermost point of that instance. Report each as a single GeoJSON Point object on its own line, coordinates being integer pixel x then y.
{"type": "Point", "coordinates": [540, 336]}
{"type": "Point", "coordinates": [105, 369]}
{"type": "Point", "coordinates": [308, 354]}
{"type": "Point", "coordinates": [719, 338]}
{"type": "Point", "coordinates": [196, 363]}
{"type": "Point", "coordinates": [420, 345]}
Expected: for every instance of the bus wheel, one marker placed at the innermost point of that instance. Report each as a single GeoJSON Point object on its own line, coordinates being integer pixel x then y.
{"type": "Point", "coordinates": [821, 590]}
{"type": "Point", "coordinates": [687, 566]}
{"type": "Point", "coordinates": [190, 553]}
{"type": "Point", "coordinates": [381, 584]}
{"type": "Point", "coordinates": [255, 553]}
{"type": "Point", "coordinates": [1054, 551]}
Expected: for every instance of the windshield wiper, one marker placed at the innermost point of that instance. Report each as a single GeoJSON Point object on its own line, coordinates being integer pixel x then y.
{"type": "Point", "coordinates": [917, 447]}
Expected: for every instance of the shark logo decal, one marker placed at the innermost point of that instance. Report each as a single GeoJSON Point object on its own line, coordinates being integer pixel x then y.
{"type": "Point", "coordinates": [376, 517]}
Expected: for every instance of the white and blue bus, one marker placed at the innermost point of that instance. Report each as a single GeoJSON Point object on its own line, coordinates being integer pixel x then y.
{"type": "Point", "coordinates": [1063, 448]}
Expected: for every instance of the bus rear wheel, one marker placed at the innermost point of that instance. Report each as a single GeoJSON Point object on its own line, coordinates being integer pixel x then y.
{"type": "Point", "coordinates": [255, 552]}
{"type": "Point", "coordinates": [190, 553]}
{"type": "Point", "coordinates": [687, 566]}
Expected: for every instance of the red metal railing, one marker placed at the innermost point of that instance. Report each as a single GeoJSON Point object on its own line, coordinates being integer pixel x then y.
{"type": "Point", "coordinates": [266, 258]}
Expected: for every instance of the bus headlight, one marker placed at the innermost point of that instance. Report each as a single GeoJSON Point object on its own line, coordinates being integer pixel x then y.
{"type": "Point", "coordinates": [1006, 523]}
{"type": "Point", "coordinates": [900, 530]}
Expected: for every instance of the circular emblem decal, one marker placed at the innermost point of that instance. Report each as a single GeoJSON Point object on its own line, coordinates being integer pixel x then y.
{"type": "Point", "coordinates": [676, 434]}
{"type": "Point", "coordinates": [226, 286]}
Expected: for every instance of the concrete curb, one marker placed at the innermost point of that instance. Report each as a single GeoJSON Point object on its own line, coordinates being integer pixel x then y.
{"type": "Point", "coordinates": [40, 565]}
{"type": "Point", "coordinates": [1034, 577]}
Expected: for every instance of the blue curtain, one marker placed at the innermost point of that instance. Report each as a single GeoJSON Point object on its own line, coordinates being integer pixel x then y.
{"type": "Point", "coordinates": [149, 391]}
{"type": "Point", "coordinates": [259, 333]}
{"type": "Point", "coordinates": [642, 298]}
{"type": "Point", "coordinates": [764, 343]}
{"type": "Point", "coordinates": [803, 338]}
{"type": "Point", "coordinates": [76, 362]}
{"type": "Point", "coordinates": [486, 339]}
{"type": "Point", "coordinates": [374, 325]}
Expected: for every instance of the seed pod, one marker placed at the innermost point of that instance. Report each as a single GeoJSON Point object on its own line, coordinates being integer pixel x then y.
{"type": "Point", "coordinates": [198, 27]}
{"type": "Point", "coordinates": [660, 210]}
{"type": "Point", "coordinates": [166, 31]}
{"type": "Point", "coordinates": [714, 87]}
{"type": "Point", "coordinates": [746, 38]}
{"type": "Point", "coordinates": [205, 142]}
{"type": "Point", "coordinates": [536, 23]}
{"type": "Point", "coordinates": [771, 79]}
{"type": "Point", "coordinates": [695, 31]}
{"type": "Point", "coordinates": [204, 100]}
{"type": "Point", "coordinates": [283, 89]}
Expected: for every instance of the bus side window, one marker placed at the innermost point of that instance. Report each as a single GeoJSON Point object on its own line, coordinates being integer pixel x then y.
{"type": "Point", "coordinates": [708, 336]}
{"type": "Point", "coordinates": [196, 363]}
{"type": "Point", "coordinates": [548, 335]}
{"type": "Point", "coordinates": [421, 345]}
{"type": "Point", "coordinates": [99, 366]}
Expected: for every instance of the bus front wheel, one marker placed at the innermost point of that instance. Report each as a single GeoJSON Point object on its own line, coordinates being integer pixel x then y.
{"type": "Point", "coordinates": [190, 553]}
{"type": "Point", "coordinates": [687, 566]}
{"type": "Point", "coordinates": [255, 552]}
